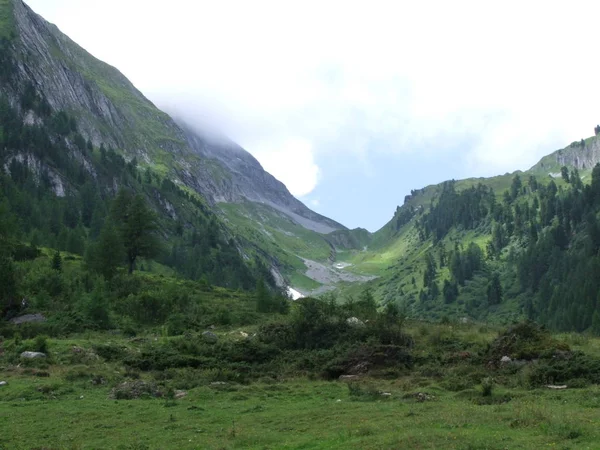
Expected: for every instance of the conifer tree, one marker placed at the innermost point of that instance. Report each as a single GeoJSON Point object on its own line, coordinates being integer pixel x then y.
{"type": "Point", "coordinates": [57, 261]}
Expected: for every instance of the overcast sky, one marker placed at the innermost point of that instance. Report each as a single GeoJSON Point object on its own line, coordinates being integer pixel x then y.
{"type": "Point", "coordinates": [353, 104]}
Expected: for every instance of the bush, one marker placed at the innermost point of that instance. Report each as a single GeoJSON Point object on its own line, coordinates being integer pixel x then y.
{"type": "Point", "coordinates": [525, 340]}
{"type": "Point", "coordinates": [41, 344]}
{"type": "Point", "coordinates": [578, 367]}
{"type": "Point", "coordinates": [487, 386]}
{"type": "Point", "coordinates": [358, 392]}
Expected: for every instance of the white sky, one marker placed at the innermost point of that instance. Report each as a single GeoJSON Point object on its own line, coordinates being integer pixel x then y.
{"type": "Point", "coordinates": [298, 83]}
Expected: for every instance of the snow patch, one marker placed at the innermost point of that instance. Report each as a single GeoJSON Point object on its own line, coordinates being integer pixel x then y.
{"type": "Point", "coordinates": [294, 294]}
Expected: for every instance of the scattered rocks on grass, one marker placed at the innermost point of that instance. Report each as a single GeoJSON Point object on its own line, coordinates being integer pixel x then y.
{"type": "Point", "coordinates": [421, 397]}
{"type": "Point", "coordinates": [130, 390]}
{"type": "Point", "coordinates": [33, 355]}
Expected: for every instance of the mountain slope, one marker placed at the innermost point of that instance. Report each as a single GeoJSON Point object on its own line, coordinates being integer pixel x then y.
{"type": "Point", "coordinates": [500, 249]}
{"type": "Point", "coordinates": [111, 113]}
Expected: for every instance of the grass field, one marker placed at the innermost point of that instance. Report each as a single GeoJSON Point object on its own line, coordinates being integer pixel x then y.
{"type": "Point", "coordinates": [65, 402]}
{"type": "Point", "coordinates": [296, 414]}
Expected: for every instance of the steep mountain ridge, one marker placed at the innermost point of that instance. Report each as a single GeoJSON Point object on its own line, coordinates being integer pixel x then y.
{"type": "Point", "coordinates": [110, 110]}
{"type": "Point", "coordinates": [111, 113]}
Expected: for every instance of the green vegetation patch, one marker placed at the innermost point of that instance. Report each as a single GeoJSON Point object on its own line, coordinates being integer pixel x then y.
{"type": "Point", "coordinates": [7, 22]}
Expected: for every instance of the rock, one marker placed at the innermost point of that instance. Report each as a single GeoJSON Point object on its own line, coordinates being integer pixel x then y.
{"type": "Point", "coordinates": [505, 360]}
{"type": "Point", "coordinates": [348, 377]}
{"type": "Point", "coordinates": [209, 336]}
{"type": "Point", "coordinates": [552, 386]}
{"type": "Point", "coordinates": [243, 334]}
{"type": "Point", "coordinates": [130, 390]}
{"type": "Point", "coordinates": [3, 383]}
{"type": "Point", "coordinates": [420, 396]}
{"type": "Point", "coordinates": [28, 318]}
{"type": "Point", "coordinates": [386, 394]}
{"type": "Point", "coordinates": [218, 383]}
{"type": "Point", "coordinates": [464, 320]}
{"type": "Point", "coordinates": [180, 394]}
{"type": "Point", "coordinates": [355, 322]}
{"type": "Point", "coordinates": [33, 355]}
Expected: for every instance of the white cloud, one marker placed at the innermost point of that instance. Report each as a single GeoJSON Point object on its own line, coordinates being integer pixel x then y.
{"type": "Point", "coordinates": [517, 78]}
{"type": "Point", "coordinates": [293, 164]}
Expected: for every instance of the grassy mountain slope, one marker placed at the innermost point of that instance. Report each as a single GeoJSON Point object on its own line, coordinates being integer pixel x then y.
{"type": "Point", "coordinates": [398, 252]}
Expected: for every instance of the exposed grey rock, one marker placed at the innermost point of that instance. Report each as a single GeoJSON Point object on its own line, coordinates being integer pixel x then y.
{"type": "Point", "coordinates": [209, 336]}
{"type": "Point", "coordinates": [180, 394]}
{"type": "Point", "coordinates": [355, 322]}
{"type": "Point", "coordinates": [28, 318]}
{"type": "Point", "coordinates": [505, 360]}
{"type": "Point", "coordinates": [33, 355]}
{"type": "Point", "coordinates": [3, 383]}
{"type": "Point", "coordinates": [348, 377]}
{"type": "Point", "coordinates": [130, 390]}
{"type": "Point", "coordinates": [575, 155]}
{"type": "Point", "coordinates": [110, 110]}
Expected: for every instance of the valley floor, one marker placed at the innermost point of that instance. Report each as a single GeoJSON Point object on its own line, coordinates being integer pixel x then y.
{"type": "Point", "coordinates": [51, 414]}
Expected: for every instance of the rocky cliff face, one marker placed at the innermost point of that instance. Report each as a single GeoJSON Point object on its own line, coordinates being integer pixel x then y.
{"type": "Point", "coordinates": [584, 154]}
{"type": "Point", "coordinates": [110, 110]}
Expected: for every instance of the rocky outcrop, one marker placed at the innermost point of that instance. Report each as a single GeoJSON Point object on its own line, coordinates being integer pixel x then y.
{"type": "Point", "coordinates": [580, 154]}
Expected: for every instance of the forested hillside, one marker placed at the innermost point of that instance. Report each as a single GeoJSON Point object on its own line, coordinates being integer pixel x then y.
{"type": "Point", "coordinates": [521, 245]}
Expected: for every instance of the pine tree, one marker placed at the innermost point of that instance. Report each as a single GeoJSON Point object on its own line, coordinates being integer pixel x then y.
{"type": "Point", "coordinates": [494, 290]}
{"type": "Point", "coordinates": [450, 291]}
{"type": "Point", "coordinates": [564, 172]}
{"type": "Point", "coordinates": [106, 255]}
{"type": "Point", "coordinates": [57, 262]}
{"type": "Point", "coordinates": [8, 284]}
{"type": "Point", "coordinates": [137, 226]}
{"type": "Point", "coordinates": [263, 297]}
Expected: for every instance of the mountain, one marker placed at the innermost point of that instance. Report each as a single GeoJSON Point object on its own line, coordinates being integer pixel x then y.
{"type": "Point", "coordinates": [500, 249]}
{"type": "Point", "coordinates": [46, 73]}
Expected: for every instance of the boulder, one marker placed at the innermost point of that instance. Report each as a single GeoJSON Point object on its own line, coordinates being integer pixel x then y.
{"type": "Point", "coordinates": [130, 390]}
{"type": "Point", "coordinates": [209, 336]}
{"type": "Point", "coordinates": [355, 322]}
{"type": "Point", "coordinates": [33, 355]}
{"type": "Point", "coordinates": [3, 383]}
{"type": "Point", "coordinates": [180, 394]}
{"type": "Point", "coordinates": [348, 377]}
{"type": "Point", "coordinates": [505, 360]}
{"type": "Point", "coordinates": [28, 318]}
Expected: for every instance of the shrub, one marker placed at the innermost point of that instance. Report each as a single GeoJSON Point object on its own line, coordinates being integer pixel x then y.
{"type": "Point", "coordinates": [41, 344]}
{"type": "Point", "coordinates": [487, 386]}
{"type": "Point", "coordinates": [358, 392]}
